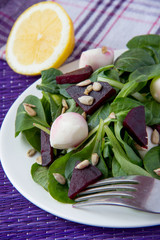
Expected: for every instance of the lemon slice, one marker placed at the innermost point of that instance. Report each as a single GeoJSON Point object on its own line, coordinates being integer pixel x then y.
{"type": "Point", "coordinates": [42, 37]}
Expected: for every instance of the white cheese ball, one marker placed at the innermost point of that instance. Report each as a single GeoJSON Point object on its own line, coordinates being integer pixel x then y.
{"type": "Point", "coordinates": [68, 131]}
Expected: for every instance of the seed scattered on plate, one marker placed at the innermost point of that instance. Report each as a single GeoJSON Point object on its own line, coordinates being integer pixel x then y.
{"type": "Point", "coordinates": [39, 160]}
{"type": "Point", "coordinates": [31, 152]}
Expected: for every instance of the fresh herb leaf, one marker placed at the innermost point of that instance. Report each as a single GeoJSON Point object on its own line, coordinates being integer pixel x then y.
{"type": "Point", "coordinates": [24, 121]}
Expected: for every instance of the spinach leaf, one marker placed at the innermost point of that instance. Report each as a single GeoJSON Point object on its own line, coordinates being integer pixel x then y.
{"type": "Point", "coordinates": [102, 113]}
{"type": "Point", "coordinates": [129, 150]}
{"type": "Point", "coordinates": [152, 161]}
{"type": "Point", "coordinates": [117, 171]}
{"type": "Point", "coordinates": [128, 167]}
{"type": "Point", "coordinates": [130, 88]}
{"type": "Point", "coordinates": [40, 175]}
{"type": "Point", "coordinates": [73, 107]}
{"type": "Point", "coordinates": [98, 71]}
{"type": "Point", "coordinates": [153, 110]}
{"type": "Point", "coordinates": [33, 136]}
{"type": "Point", "coordinates": [121, 107]}
{"type": "Point", "coordinates": [143, 74]}
{"type": "Point", "coordinates": [94, 146]}
{"type": "Point", "coordinates": [49, 84]}
{"type": "Point", "coordinates": [24, 121]}
{"type": "Point", "coordinates": [132, 59]}
{"type": "Point", "coordinates": [150, 40]}
{"type": "Point", "coordinates": [58, 191]}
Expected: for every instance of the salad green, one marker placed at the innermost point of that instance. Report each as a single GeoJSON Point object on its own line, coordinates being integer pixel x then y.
{"type": "Point", "coordinates": [130, 75]}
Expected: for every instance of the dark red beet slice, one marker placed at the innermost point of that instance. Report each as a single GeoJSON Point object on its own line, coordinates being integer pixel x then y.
{"type": "Point", "coordinates": [76, 76]}
{"type": "Point", "coordinates": [81, 178]}
{"type": "Point", "coordinates": [99, 97]}
{"type": "Point", "coordinates": [135, 125]}
{"type": "Point", "coordinates": [46, 149]}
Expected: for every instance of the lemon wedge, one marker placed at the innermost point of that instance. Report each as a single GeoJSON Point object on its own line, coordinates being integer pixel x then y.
{"type": "Point", "coordinates": [42, 37]}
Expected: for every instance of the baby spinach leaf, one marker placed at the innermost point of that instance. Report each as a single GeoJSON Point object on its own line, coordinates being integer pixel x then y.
{"type": "Point", "coordinates": [102, 113]}
{"type": "Point", "coordinates": [152, 161]}
{"type": "Point", "coordinates": [132, 59]}
{"type": "Point", "coordinates": [58, 191]}
{"type": "Point", "coordinates": [40, 175]}
{"type": "Point", "coordinates": [93, 147]}
{"type": "Point", "coordinates": [141, 41]}
{"type": "Point", "coordinates": [49, 84]}
{"type": "Point", "coordinates": [143, 74]}
{"type": "Point", "coordinates": [98, 71]}
{"type": "Point", "coordinates": [153, 110]}
{"type": "Point", "coordinates": [121, 106]}
{"type": "Point", "coordinates": [129, 150]}
{"type": "Point", "coordinates": [24, 121]}
{"type": "Point", "coordinates": [73, 107]}
{"type": "Point", "coordinates": [117, 171]}
{"type": "Point", "coordinates": [128, 167]}
{"type": "Point", "coordinates": [129, 88]}
{"type": "Point", "coordinates": [33, 137]}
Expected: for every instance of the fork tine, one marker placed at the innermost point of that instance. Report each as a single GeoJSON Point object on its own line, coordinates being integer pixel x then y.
{"type": "Point", "coordinates": [118, 180]}
{"type": "Point", "coordinates": [104, 194]}
{"type": "Point", "coordinates": [128, 187]}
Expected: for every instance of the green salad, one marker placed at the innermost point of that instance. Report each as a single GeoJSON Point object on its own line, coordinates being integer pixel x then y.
{"type": "Point", "coordinates": [133, 75]}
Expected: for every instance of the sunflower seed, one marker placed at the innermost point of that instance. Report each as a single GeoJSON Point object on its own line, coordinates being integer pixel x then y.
{"type": "Point", "coordinates": [86, 100]}
{"type": "Point", "coordinates": [94, 159]}
{"type": "Point", "coordinates": [88, 89]}
{"type": "Point", "coordinates": [30, 105]}
{"type": "Point", "coordinates": [64, 104]}
{"type": "Point", "coordinates": [59, 178]}
{"type": "Point", "coordinates": [83, 164]}
{"type": "Point", "coordinates": [31, 152]}
{"type": "Point", "coordinates": [63, 110]}
{"type": "Point", "coordinates": [31, 112]}
{"type": "Point", "coordinates": [112, 115]}
{"type": "Point", "coordinates": [84, 115]}
{"type": "Point", "coordinates": [97, 86]}
{"type": "Point", "coordinates": [84, 83]}
{"type": "Point", "coordinates": [155, 137]}
{"type": "Point", "coordinates": [39, 160]}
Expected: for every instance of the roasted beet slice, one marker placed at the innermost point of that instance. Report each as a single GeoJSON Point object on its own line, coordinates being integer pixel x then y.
{"type": "Point", "coordinates": [99, 97]}
{"type": "Point", "coordinates": [81, 178]}
{"type": "Point", "coordinates": [46, 149]}
{"type": "Point", "coordinates": [75, 76]}
{"type": "Point", "coordinates": [135, 125]}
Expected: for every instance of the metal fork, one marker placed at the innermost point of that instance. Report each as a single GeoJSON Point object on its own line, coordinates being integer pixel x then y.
{"type": "Point", "coordinates": [138, 192]}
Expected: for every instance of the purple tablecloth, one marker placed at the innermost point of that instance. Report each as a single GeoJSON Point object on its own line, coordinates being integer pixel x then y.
{"type": "Point", "coordinates": [97, 23]}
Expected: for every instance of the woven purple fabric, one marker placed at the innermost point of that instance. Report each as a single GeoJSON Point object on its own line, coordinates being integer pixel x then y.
{"type": "Point", "coordinates": [97, 23]}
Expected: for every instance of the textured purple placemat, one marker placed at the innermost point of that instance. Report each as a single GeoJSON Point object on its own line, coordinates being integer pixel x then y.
{"type": "Point", "coordinates": [97, 23]}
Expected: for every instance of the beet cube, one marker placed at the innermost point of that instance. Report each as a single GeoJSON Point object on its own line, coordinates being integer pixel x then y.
{"type": "Point", "coordinates": [99, 97]}
{"type": "Point", "coordinates": [135, 125]}
{"type": "Point", "coordinates": [76, 76]}
{"type": "Point", "coordinates": [81, 178]}
{"type": "Point", "coordinates": [46, 149]}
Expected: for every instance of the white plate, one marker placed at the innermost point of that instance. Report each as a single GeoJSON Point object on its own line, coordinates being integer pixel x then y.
{"type": "Point", "coordinates": [17, 167]}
